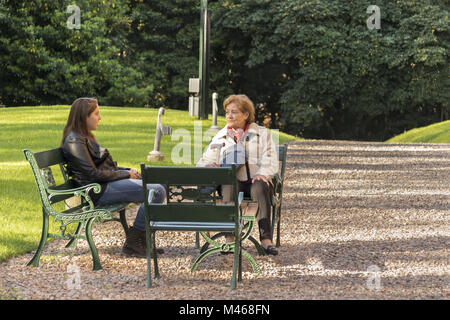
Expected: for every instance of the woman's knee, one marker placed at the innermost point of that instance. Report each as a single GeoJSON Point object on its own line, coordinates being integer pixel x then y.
{"type": "Point", "coordinates": [227, 192]}
{"type": "Point", "coordinates": [259, 189]}
{"type": "Point", "coordinates": [159, 194]}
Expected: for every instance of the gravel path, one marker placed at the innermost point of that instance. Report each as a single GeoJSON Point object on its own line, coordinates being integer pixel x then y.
{"type": "Point", "coordinates": [360, 221]}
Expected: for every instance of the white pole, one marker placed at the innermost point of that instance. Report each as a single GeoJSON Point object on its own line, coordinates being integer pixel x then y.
{"type": "Point", "coordinates": [215, 111]}
{"type": "Point", "coordinates": [156, 155]}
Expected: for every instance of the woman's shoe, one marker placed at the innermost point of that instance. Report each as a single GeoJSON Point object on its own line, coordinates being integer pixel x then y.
{"type": "Point", "coordinates": [271, 250]}
{"type": "Point", "coordinates": [135, 244]}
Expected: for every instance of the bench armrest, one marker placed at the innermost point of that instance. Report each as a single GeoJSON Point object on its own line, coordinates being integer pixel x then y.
{"type": "Point", "coordinates": [87, 188]}
{"type": "Point", "coordinates": [82, 191]}
{"type": "Point", "coordinates": [240, 197]}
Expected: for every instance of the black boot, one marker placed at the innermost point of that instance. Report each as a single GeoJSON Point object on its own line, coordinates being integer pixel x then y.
{"type": "Point", "coordinates": [135, 243]}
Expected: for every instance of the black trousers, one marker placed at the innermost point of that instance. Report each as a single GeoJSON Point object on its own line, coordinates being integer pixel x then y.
{"type": "Point", "coordinates": [258, 191]}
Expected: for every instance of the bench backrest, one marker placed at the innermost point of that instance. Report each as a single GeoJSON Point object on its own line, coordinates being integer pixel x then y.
{"type": "Point", "coordinates": [191, 194]}
{"type": "Point", "coordinates": [282, 152]}
{"type": "Point", "coordinates": [41, 163]}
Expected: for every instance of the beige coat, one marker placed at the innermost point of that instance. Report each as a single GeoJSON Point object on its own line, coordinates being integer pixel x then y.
{"type": "Point", "coordinates": [260, 149]}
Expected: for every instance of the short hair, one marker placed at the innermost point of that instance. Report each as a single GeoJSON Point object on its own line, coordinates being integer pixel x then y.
{"type": "Point", "coordinates": [243, 103]}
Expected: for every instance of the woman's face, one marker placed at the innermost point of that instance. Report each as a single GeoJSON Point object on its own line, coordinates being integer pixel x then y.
{"type": "Point", "coordinates": [235, 118]}
{"type": "Point", "coordinates": [93, 120]}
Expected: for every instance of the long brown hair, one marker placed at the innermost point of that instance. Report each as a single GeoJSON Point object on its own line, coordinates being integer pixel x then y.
{"type": "Point", "coordinates": [79, 112]}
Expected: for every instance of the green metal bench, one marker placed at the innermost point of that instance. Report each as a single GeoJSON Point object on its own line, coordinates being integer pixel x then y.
{"type": "Point", "coordinates": [83, 214]}
{"type": "Point", "coordinates": [276, 199]}
{"type": "Point", "coordinates": [190, 208]}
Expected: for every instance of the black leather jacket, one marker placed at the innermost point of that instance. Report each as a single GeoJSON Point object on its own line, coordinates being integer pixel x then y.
{"type": "Point", "coordinates": [88, 162]}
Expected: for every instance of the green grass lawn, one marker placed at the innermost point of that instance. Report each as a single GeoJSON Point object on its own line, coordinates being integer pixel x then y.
{"type": "Point", "coordinates": [128, 133]}
{"type": "Point", "coordinates": [435, 133]}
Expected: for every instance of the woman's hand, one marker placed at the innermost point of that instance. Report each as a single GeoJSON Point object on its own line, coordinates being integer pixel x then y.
{"type": "Point", "coordinates": [212, 164]}
{"type": "Point", "coordinates": [134, 174]}
{"type": "Point", "coordinates": [261, 177]}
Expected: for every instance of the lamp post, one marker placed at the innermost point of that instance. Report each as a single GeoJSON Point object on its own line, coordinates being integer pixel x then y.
{"type": "Point", "coordinates": [205, 27]}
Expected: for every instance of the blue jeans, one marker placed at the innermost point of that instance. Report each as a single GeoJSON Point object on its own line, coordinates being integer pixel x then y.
{"type": "Point", "coordinates": [131, 190]}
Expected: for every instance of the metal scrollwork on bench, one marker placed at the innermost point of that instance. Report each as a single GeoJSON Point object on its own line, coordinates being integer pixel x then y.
{"type": "Point", "coordinates": [47, 175]}
{"type": "Point", "coordinates": [192, 194]}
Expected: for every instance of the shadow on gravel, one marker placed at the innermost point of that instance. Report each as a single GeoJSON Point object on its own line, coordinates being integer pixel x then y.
{"type": "Point", "coordinates": [404, 202]}
{"type": "Point", "coordinates": [358, 255]}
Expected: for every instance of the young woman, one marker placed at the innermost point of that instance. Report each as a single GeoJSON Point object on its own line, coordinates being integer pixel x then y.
{"type": "Point", "coordinates": [89, 162]}
{"type": "Point", "coordinates": [255, 178]}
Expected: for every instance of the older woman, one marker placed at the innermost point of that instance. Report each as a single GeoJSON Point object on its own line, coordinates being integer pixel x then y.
{"type": "Point", "coordinates": [89, 162]}
{"type": "Point", "coordinates": [255, 175]}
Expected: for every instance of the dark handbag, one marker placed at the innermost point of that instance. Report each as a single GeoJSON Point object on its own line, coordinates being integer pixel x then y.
{"type": "Point", "coordinates": [234, 155]}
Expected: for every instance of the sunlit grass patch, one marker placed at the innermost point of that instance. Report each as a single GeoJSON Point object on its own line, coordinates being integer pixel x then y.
{"type": "Point", "coordinates": [435, 133]}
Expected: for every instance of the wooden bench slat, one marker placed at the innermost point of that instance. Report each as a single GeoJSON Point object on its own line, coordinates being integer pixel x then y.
{"type": "Point", "coordinates": [249, 208]}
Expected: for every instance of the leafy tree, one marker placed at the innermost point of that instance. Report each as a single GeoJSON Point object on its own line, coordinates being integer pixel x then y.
{"type": "Point", "coordinates": [343, 79]}
{"type": "Point", "coordinates": [43, 61]}
{"type": "Point", "coordinates": [313, 68]}
{"type": "Point", "coordinates": [164, 40]}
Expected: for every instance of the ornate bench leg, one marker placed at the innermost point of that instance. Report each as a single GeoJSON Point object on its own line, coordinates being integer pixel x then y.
{"type": "Point", "coordinates": [276, 213]}
{"type": "Point", "coordinates": [246, 255]}
{"type": "Point", "coordinates": [278, 225]}
{"type": "Point", "coordinates": [240, 264]}
{"type": "Point", "coordinates": [214, 237]}
{"type": "Point", "coordinates": [148, 246]}
{"type": "Point", "coordinates": [155, 256]}
{"type": "Point", "coordinates": [35, 260]}
{"type": "Point", "coordinates": [252, 261]}
{"type": "Point", "coordinates": [203, 256]}
{"type": "Point", "coordinates": [258, 247]}
{"type": "Point", "coordinates": [151, 250]}
{"type": "Point", "coordinates": [123, 221]}
{"type": "Point", "coordinates": [273, 218]}
{"type": "Point", "coordinates": [197, 240]}
{"type": "Point", "coordinates": [95, 258]}
{"type": "Point", "coordinates": [73, 242]}
{"type": "Point", "coordinates": [236, 267]}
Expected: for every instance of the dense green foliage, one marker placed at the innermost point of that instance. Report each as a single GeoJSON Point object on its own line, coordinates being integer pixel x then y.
{"type": "Point", "coordinates": [164, 39]}
{"type": "Point", "coordinates": [313, 68]}
{"type": "Point", "coordinates": [328, 75]}
{"type": "Point", "coordinates": [43, 61]}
